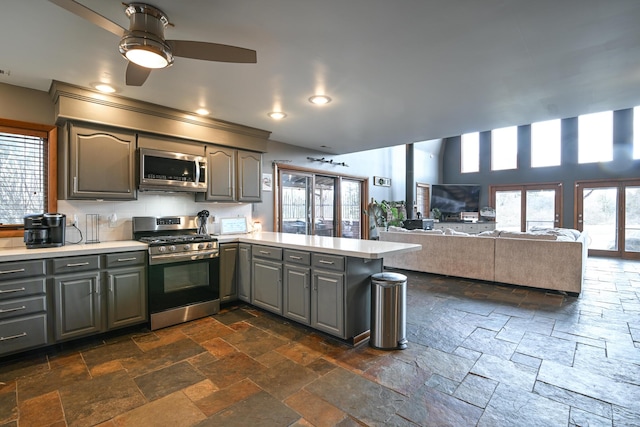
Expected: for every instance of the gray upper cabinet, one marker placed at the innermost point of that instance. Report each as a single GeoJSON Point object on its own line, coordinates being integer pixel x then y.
{"type": "Point", "coordinates": [249, 176]}
{"type": "Point", "coordinates": [97, 163]}
{"type": "Point", "coordinates": [221, 163]}
{"type": "Point", "coordinates": [234, 176]}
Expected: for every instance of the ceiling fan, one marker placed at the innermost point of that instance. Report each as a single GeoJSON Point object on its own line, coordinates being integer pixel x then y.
{"type": "Point", "coordinates": [144, 45]}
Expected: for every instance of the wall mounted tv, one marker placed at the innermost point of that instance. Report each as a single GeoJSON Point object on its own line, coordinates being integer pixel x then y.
{"type": "Point", "coordinates": [455, 198]}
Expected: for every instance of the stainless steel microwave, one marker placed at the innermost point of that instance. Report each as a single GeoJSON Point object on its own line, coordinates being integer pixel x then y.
{"type": "Point", "coordinates": [168, 171]}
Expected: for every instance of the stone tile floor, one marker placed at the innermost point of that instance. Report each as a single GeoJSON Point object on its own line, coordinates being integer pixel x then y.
{"type": "Point", "coordinates": [480, 354]}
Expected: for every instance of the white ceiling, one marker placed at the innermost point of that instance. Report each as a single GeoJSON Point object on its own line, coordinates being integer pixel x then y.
{"type": "Point", "coordinates": [398, 71]}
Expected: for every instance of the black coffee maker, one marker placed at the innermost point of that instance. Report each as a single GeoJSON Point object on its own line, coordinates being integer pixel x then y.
{"type": "Point", "coordinates": [44, 230]}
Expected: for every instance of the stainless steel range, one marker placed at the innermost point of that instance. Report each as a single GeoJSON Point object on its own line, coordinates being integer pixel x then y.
{"type": "Point", "coordinates": [184, 269]}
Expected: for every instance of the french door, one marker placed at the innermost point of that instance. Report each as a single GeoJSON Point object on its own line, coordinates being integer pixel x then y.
{"type": "Point", "coordinates": [319, 204]}
{"type": "Point", "coordinates": [609, 211]}
{"type": "Point", "coordinates": [523, 207]}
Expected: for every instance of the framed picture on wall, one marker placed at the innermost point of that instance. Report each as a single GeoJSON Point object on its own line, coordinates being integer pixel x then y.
{"type": "Point", "coordinates": [267, 182]}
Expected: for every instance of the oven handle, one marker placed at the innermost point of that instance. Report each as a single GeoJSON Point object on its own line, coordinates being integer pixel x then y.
{"type": "Point", "coordinates": [186, 256]}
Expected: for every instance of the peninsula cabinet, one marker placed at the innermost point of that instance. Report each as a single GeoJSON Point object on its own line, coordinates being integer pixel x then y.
{"type": "Point", "coordinates": [228, 272]}
{"type": "Point", "coordinates": [97, 163]}
{"type": "Point", "coordinates": [330, 293]}
{"type": "Point", "coordinates": [233, 176]}
{"type": "Point", "coordinates": [23, 306]}
{"type": "Point", "coordinates": [266, 274]}
{"type": "Point", "coordinates": [297, 286]}
{"type": "Point", "coordinates": [244, 272]}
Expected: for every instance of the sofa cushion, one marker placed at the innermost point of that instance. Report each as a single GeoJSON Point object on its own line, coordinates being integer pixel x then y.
{"type": "Point", "coordinates": [452, 232]}
{"type": "Point", "coordinates": [489, 233]}
{"type": "Point", "coordinates": [418, 230]}
{"type": "Point", "coordinates": [527, 235]}
{"type": "Point", "coordinates": [568, 232]}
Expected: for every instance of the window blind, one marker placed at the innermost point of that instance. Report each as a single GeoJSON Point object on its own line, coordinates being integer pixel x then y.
{"type": "Point", "coordinates": [23, 176]}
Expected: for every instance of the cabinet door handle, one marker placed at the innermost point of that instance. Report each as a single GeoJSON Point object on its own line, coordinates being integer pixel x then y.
{"type": "Point", "coordinates": [8, 291]}
{"type": "Point", "coordinates": [326, 262]}
{"type": "Point", "coordinates": [9, 310]}
{"type": "Point", "coordinates": [127, 259]}
{"type": "Point", "coordinates": [12, 337]}
{"type": "Point", "coordinates": [111, 284]}
{"type": "Point", "coordinates": [77, 264]}
{"type": "Point", "coordinates": [265, 252]}
{"type": "Point", "coordinates": [295, 257]}
{"type": "Point", "coordinates": [20, 270]}
{"type": "Point", "coordinates": [75, 184]}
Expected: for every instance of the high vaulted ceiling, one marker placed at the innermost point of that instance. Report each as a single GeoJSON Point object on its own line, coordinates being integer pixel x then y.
{"type": "Point", "coordinates": [397, 71]}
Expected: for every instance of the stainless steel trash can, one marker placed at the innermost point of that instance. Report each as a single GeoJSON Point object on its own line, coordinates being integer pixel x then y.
{"type": "Point", "coordinates": [388, 307]}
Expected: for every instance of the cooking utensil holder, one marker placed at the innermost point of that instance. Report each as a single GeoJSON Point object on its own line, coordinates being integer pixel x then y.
{"type": "Point", "coordinates": [93, 229]}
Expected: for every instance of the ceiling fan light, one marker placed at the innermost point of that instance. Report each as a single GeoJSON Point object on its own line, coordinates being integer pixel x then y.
{"type": "Point", "coordinates": [146, 58]}
{"type": "Point", "coordinates": [145, 51]}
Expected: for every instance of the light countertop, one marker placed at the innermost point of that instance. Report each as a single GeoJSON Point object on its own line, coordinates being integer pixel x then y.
{"type": "Point", "coordinates": [22, 253]}
{"type": "Point", "coordinates": [366, 249]}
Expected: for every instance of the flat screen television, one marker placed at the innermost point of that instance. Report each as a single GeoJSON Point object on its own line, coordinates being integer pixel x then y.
{"type": "Point", "coordinates": [455, 198]}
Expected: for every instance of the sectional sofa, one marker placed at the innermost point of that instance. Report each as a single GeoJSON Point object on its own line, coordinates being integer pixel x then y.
{"type": "Point", "coordinates": [551, 259]}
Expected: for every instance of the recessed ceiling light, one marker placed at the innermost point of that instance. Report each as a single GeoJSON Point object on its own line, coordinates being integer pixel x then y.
{"type": "Point", "coordinates": [202, 112]}
{"type": "Point", "coordinates": [319, 99]}
{"type": "Point", "coordinates": [277, 115]}
{"type": "Point", "coordinates": [104, 87]}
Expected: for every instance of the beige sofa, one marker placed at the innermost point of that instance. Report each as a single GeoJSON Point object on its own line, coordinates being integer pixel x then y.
{"type": "Point", "coordinates": [528, 259]}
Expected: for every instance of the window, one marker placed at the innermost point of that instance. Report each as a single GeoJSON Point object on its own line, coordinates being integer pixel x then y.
{"type": "Point", "coordinates": [504, 148]}
{"type": "Point", "coordinates": [545, 143]}
{"type": "Point", "coordinates": [636, 133]}
{"type": "Point", "coordinates": [523, 207]}
{"type": "Point", "coordinates": [27, 173]}
{"type": "Point", "coordinates": [595, 137]}
{"type": "Point", "coordinates": [470, 153]}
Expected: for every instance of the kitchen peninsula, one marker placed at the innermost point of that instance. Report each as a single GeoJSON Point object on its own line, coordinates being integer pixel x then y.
{"type": "Point", "coordinates": [321, 282]}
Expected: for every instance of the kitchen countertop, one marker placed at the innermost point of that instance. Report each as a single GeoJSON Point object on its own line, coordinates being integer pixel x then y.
{"type": "Point", "coordinates": [23, 254]}
{"type": "Point", "coordinates": [366, 249]}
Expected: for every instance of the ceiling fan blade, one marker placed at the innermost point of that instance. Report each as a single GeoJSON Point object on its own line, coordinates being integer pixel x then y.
{"type": "Point", "coordinates": [212, 51]}
{"type": "Point", "coordinates": [91, 16]}
{"type": "Point", "coordinates": [136, 75]}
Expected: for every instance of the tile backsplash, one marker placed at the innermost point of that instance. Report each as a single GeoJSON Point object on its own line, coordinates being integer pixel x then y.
{"type": "Point", "coordinates": [148, 204]}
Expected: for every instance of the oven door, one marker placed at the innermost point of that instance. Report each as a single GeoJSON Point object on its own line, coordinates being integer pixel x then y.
{"type": "Point", "coordinates": [187, 289]}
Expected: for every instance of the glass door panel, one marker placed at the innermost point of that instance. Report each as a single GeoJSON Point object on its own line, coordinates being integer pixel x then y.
{"type": "Point", "coordinates": [632, 219]}
{"type": "Point", "coordinates": [508, 210]}
{"type": "Point", "coordinates": [600, 217]}
{"type": "Point", "coordinates": [541, 209]}
{"type": "Point", "coordinates": [324, 206]}
{"type": "Point", "coordinates": [351, 208]}
{"type": "Point", "coordinates": [295, 203]}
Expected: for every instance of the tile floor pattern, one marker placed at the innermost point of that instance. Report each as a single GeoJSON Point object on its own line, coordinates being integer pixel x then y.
{"type": "Point", "coordinates": [479, 355]}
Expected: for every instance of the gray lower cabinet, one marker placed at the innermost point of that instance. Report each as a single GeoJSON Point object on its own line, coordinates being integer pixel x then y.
{"type": "Point", "coordinates": [228, 272]}
{"type": "Point", "coordinates": [296, 292]}
{"type": "Point", "coordinates": [244, 272]}
{"type": "Point", "coordinates": [126, 276]}
{"type": "Point", "coordinates": [330, 293]}
{"type": "Point", "coordinates": [93, 294]}
{"type": "Point", "coordinates": [327, 302]}
{"type": "Point", "coordinates": [77, 296]}
{"type": "Point", "coordinates": [266, 278]}
{"type": "Point", "coordinates": [23, 306]}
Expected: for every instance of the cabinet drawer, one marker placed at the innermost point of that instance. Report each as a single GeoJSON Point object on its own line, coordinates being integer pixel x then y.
{"type": "Point", "coordinates": [297, 257]}
{"type": "Point", "coordinates": [16, 270]}
{"type": "Point", "coordinates": [328, 262]}
{"type": "Point", "coordinates": [77, 263]}
{"type": "Point", "coordinates": [22, 288]}
{"type": "Point", "coordinates": [486, 227]}
{"type": "Point", "coordinates": [22, 333]}
{"type": "Point", "coordinates": [22, 306]}
{"type": "Point", "coordinates": [267, 252]}
{"type": "Point", "coordinates": [125, 259]}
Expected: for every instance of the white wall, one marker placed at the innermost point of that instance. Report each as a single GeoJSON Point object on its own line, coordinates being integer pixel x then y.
{"type": "Point", "coordinates": [148, 204]}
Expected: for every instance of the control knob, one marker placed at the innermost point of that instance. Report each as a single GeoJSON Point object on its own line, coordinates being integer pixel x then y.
{"type": "Point", "coordinates": [162, 249]}
{"type": "Point", "coordinates": [172, 248]}
{"type": "Point", "coordinates": [187, 247]}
